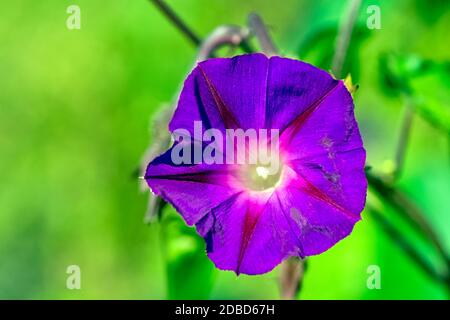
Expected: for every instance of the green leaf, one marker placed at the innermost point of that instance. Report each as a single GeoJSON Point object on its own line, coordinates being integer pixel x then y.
{"type": "Point", "coordinates": [318, 48]}
{"type": "Point", "coordinates": [190, 274]}
{"type": "Point", "coordinates": [431, 96]}
{"type": "Point", "coordinates": [425, 82]}
{"type": "Point", "coordinates": [396, 70]}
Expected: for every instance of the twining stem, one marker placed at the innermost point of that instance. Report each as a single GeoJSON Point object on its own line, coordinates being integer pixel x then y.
{"type": "Point", "coordinates": [406, 246]}
{"type": "Point", "coordinates": [408, 211]}
{"type": "Point", "coordinates": [259, 30]}
{"type": "Point", "coordinates": [291, 277]}
{"type": "Point", "coordinates": [222, 35]}
{"type": "Point", "coordinates": [343, 38]}
{"type": "Point", "coordinates": [191, 35]}
{"type": "Point", "coordinates": [175, 19]}
{"type": "Point", "coordinates": [408, 115]}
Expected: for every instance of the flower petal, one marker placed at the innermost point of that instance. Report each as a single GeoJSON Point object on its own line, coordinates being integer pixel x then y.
{"type": "Point", "coordinates": [319, 223]}
{"type": "Point", "coordinates": [293, 87]}
{"type": "Point", "coordinates": [224, 93]}
{"type": "Point", "coordinates": [249, 234]}
{"type": "Point", "coordinates": [192, 189]}
{"type": "Point", "coordinates": [341, 178]}
{"type": "Point", "coordinates": [308, 136]}
{"type": "Point", "coordinates": [330, 157]}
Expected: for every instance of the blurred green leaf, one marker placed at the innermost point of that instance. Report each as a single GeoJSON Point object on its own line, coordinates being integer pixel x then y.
{"type": "Point", "coordinates": [431, 96]}
{"type": "Point", "coordinates": [190, 274]}
{"type": "Point", "coordinates": [396, 70]}
{"type": "Point", "coordinates": [430, 14]}
{"type": "Point", "coordinates": [425, 82]}
{"type": "Point", "coordinates": [318, 48]}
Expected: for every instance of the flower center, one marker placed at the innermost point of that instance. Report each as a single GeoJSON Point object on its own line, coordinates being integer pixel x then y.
{"type": "Point", "coordinates": [260, 177]}
{"type": "Point", "coordinates": [263, 172]}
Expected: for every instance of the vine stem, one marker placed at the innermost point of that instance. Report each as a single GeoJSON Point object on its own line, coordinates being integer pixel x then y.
{"type": "Point", "coordinates": [189, 33]}
{"type": "Point", "coordinates": [175, 19]}
{"type": "Point", "coordinates": [291, 277]}
{"type": "Point", "coordinates": [344, 36]}
{"type": "Point", "coordinates": [407, 247]}
{"type": "Point", "coordinates": [259, 30]}
{"type": "Point", "coordinates": [408, 115]}
{"type": "Point", "coordinates": [408, 211]}
{"type": "Point", "coordinates": [222, 35]}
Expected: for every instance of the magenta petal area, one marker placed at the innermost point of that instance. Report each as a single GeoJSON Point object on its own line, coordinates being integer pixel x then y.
{"type": "Point", "coordinates": [322, 186]}
{"type": "Point", "coordinates": [249, 234]}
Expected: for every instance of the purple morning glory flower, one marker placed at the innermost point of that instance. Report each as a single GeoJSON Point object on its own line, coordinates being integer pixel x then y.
{"type": "Point", "coordinates": [252, 220]}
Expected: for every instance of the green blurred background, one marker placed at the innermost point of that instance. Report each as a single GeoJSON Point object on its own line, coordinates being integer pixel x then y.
{"type": "Point", "coordinates": [75, 113]}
